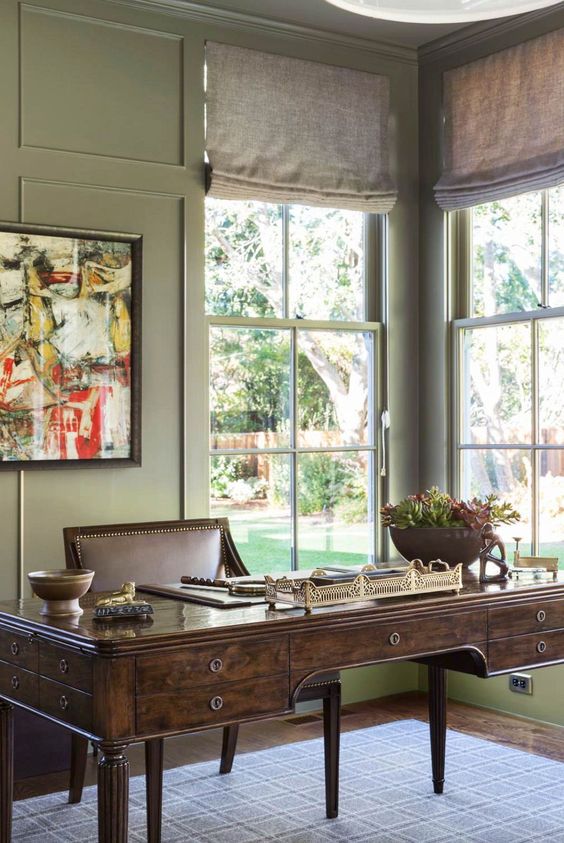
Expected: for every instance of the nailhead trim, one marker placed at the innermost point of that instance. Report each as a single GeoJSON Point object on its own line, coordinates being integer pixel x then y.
{"type": "Point", "coordinates": [117, 533]}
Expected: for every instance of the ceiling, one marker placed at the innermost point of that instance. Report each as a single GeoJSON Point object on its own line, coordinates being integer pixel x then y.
{"type": "Point", "coordinates": [321, 15]}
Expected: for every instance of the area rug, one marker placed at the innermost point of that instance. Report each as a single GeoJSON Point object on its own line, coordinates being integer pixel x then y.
{"type": "Point", "coordinates": [493, 794]}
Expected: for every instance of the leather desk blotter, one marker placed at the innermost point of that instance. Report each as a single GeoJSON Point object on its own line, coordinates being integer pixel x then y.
{"type": "Point", "coordinates": [206, 596]}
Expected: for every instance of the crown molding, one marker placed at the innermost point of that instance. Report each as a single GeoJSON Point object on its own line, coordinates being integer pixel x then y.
{"type": "Point", "coordinates": [477, 34]}
{"type": "Point", "coordinates": [190, 10]}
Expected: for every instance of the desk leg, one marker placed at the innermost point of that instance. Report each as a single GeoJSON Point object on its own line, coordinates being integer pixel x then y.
{"type": "Point", "coordinates": [331, 739]}
{"type": "Point", "coordinates": [79, 757]}
{"type": "Point", "coordinates": [113, 794]}
{"type": "Point", "coordinates": [228, 747]}
{"type": "Point", "coordinates": [154, 788]}
{"type": "Point", "coordinates": [437, 724]}
{"type": "Point", "coordinates": [6, 770]}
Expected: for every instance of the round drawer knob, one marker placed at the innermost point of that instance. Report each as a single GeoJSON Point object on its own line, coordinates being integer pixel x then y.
{"type": "Point", "coordinates": [541, 615]}
{"type": "Point", "coordinates": [216, 703]}
{"type": "Point", "coordinates": [14, 648]}
{"type": "Point", "coordinates": [215, 665]}
{"type": "Point", "coordinates": [15, 683]}
{"type": "Point", "coordinates": [63, 703]}
{"type": "Point", "coordinates": [394, 639]}
{"type": "Point", "coordinates": [541, 646]}
{"type": "Point", "coordinates": [64, 666]}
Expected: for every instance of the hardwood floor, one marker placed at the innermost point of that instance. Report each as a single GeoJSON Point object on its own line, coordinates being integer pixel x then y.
{"type": "Point", "coordinates": [512, 731]}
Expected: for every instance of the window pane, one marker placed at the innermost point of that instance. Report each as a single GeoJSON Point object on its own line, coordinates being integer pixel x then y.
{"type": "Point", "coordinates": [334, 376]}
{"type": "Point", "coordinates": [551, 504]}
{"type": "Point", "coordinates": [556, 247]}
{"type": "Point", "coordinates": [551, 394]}
{"type": "Point", "coordinates": [249, 388]}
{"type": "Point", "coordinates": [506, 473]}
{"type": "Point", "coordinates": [335, 523]}
{"type": "Point", "coordinates": [496, 385]}
{"type": "Point", "coordinates": [244, 253]}
{"type": "Point", "coordinates": [253, 491]}
{"type": "Point", "coordinates": [507, 251]}
{"type": "Point", "coordinates": [326, 264]}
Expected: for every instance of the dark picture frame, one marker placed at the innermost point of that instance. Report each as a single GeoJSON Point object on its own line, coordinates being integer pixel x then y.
{"type": "Point", "coordinates": [70, 347]}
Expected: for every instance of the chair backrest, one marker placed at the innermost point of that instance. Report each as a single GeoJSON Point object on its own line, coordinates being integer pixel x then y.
{"type": "Point", "coordinates": [158, 551]}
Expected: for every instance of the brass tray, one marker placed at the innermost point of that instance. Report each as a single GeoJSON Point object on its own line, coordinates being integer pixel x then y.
{"type": "Point", "coordinates": [418, 579]}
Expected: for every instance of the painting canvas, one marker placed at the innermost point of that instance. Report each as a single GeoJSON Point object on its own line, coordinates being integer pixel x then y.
{"type": "Point", "coordinates": [69, 356]}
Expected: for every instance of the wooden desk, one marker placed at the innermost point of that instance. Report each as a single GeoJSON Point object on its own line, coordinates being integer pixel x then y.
{"type": "Point", "coordinates": [194, 667]}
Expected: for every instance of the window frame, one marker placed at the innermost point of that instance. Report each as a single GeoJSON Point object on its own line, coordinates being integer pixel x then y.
{"type": "Point", "coordinates": [460, 273]}
{"type": "Point", "coordinates": [375, 307]}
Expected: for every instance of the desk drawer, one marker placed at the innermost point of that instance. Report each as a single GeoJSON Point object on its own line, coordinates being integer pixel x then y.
{"type": "Point", "coordinates": [222, 662]}
{"type": "Point", "coordinates": [528, 617]}
{"type": "Point", "coordinates": [208, 704]}
{"type": "Point", "coordinates": [66, 666]}
{"type": "Point", "coordinates": [391, 640]}
{"type": "Point", "coordinates": [19, 684]}
{"type": "Point", "coordinates": [525, 650]}
{"type": "Point", "coordinates": [65, 703]}
{"type": "Point", "coordinates": [19, 649]}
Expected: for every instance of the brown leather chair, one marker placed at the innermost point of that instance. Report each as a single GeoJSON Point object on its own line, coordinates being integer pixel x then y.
{"type": "Point", "coordinates": [167, 550]}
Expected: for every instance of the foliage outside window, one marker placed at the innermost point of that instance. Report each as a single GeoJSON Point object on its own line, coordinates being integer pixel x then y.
{"type": "Point", "coordinates": [291, 383]}
{"type": "Point", "coordinates": [510, 437]}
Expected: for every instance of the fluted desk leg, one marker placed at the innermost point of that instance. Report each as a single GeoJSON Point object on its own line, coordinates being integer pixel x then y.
{"type": "Point", "coordinates": [113, 794]}
{"type": "Point", "coordinates": [6, 770]}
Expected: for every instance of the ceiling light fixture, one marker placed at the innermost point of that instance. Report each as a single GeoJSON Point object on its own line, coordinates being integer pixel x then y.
{"type": "Point", "coordinates": [440, 11]}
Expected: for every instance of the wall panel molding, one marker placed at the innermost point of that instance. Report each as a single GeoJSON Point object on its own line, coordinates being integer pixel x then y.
{"type": "Point", "coordinates": [25, 180]}
{"type": "Point", "coordinates": [122, 95]}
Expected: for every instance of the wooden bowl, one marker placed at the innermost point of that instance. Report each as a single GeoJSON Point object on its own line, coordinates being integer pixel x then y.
{"type": "Point", "coordinates": [60, 590]}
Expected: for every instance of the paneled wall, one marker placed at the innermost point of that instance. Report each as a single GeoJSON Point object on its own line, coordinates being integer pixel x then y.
{"type": "Point", "coordinates": [102, 126]}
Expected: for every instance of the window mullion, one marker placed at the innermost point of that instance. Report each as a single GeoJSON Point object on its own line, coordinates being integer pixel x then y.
{"type": "Point", "coordinates": [462, 263]}
{"type": "Point", "coordinates": [544, 302]}
{"type": "Point", "coordinates": [535, 437]}
{"type": "Point", "coordinates": [294, 443]}
{"type": "Point", "coordinates": [286, 261]}
{"type": "Point", "coordinates": [535, 508]}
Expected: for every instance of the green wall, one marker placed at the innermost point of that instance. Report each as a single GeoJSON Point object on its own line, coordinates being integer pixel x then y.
{"type": "Point", "coordinates": [102, 128]}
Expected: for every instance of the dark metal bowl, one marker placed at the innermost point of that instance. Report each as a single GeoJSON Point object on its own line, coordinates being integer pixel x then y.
{"type": "Point", "coordinates": [451, 544]}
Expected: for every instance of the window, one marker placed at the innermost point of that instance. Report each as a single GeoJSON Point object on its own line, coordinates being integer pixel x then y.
{"type": "Point", "coordinates": [510, 407]}
{"type": "Point", "coordinates": [292, 383]}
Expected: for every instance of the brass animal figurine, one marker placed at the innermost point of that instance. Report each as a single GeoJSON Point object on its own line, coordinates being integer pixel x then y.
{"type": "Point", "coordinates": [119, 598]}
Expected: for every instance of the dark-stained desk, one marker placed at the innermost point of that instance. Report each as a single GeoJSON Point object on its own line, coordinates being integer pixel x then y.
{"type": "Point", "coordinates": [194, 667]}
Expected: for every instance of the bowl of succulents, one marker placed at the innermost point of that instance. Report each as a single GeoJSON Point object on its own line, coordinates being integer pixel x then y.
{"type": "Point", "coordinates": [432, 525]}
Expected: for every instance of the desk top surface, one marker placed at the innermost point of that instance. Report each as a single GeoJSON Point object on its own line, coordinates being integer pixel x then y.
{"type": "Point", "coordinates": [176, 621]}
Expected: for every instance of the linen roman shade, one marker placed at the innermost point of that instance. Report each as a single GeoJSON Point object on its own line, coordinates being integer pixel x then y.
{"type": "Point", "coordinates": [504, 124]}
{"type": "Point", "coordinates": [286, 130]}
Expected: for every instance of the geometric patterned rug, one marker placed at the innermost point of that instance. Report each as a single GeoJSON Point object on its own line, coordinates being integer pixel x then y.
{"type": "Point", "coordinates": [493, 794]}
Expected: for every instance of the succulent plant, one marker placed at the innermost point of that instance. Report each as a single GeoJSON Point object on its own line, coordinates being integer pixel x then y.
{"type": "Point", "coordinates": [408, 513]}
{"type": "Point", "coordinates": [434, 508]}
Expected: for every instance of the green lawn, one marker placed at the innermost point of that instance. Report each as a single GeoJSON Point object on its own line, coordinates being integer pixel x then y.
{"type": "Point", "coordinates": [264, 544]}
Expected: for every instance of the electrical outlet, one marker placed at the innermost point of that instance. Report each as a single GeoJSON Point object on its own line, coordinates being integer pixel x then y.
{"type": "Point", "coordinates": [521, 683]}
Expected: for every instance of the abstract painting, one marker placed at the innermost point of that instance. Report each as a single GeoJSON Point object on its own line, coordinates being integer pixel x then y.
{"type": "Point", "coordinates": [69, 347]}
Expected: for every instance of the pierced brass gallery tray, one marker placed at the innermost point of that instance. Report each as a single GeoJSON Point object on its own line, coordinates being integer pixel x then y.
{"type": "Point", "coordinates": [418, 579]}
